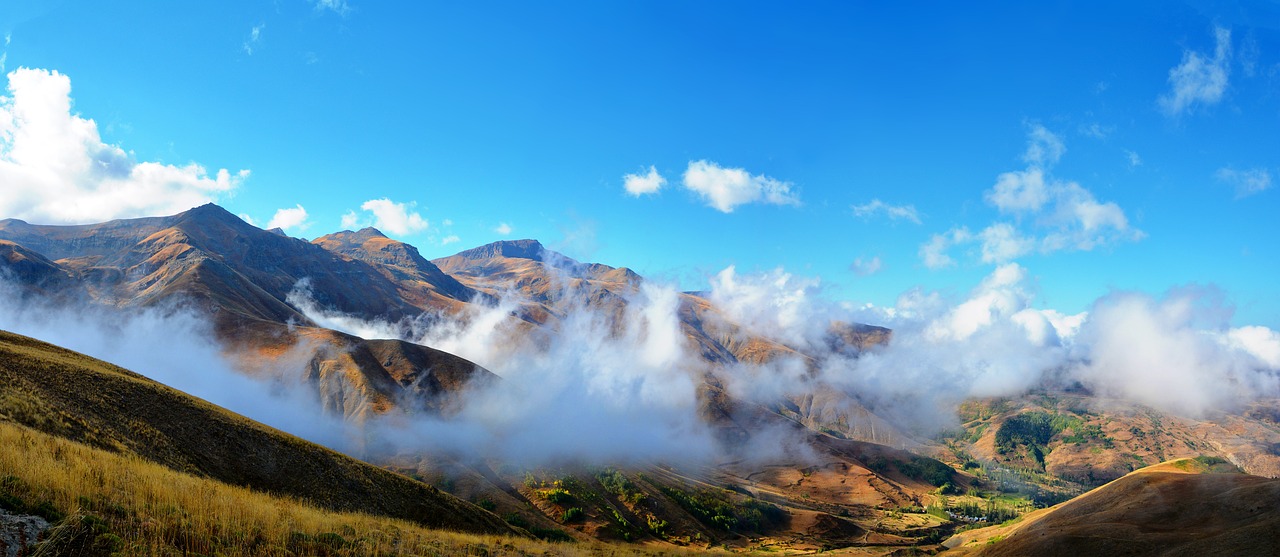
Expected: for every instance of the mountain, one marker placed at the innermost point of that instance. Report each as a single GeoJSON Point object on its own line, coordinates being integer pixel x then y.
{"type": "Point", "coordinates": [212, 258]}
{"type": "Point", "coordinates": [1183, 507]}
{"type": "Point", "coordinates": [212, 261]}
{"type": "Point", "coordinates": [418, 281]}
{"type": "Point", "coordinates": [75, 397]}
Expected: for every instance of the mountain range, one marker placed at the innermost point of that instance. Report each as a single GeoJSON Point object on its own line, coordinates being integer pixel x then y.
{"type": "Point", "coordinates": [851, 477]}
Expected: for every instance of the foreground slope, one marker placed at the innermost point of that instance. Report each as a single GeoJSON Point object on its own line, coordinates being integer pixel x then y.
{"type": "Point", "coordinates": [102, 503]}
{"type": "Point", "coordinates": [1183, 507]}
{"type": "Point", "coordinates": [76, 397]}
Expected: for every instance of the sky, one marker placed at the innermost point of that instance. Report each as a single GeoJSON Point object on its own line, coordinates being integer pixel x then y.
{"type": "Point", "coordinates": [870, 149]}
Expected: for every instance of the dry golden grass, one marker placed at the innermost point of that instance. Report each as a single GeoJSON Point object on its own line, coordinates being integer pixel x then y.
{"type": "Point", "coordinates": [137, 507]}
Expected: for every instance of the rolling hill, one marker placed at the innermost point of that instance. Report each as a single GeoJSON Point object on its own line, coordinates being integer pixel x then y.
{"type": "Point", "coordinates": [1184, 507]}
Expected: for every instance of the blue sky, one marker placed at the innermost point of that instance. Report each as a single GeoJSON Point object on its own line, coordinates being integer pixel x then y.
{"type": "Point", "coordinates": [879, 148]}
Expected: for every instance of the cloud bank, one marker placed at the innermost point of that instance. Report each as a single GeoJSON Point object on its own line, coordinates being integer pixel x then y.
{"type": "Point", "coordinates": [56, 169]}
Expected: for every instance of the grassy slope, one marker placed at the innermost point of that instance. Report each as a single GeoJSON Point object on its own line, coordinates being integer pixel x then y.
{"type": "Point", "coordinates": [116, 503]}
{"type": "Point", "coordinates": [76, 397]}
{"type": "Point", "coordinates": [1181, 507]}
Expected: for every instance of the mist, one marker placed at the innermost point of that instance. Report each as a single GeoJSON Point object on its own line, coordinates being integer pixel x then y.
{"type": "Point", "coordinates": [619, 384]}
{"type": "Point", "coordinates": [176, 347]}
{"type": "Point", "coordinates": [598, 387]}
{"type": "Point", "coordinates": [1176, 353]}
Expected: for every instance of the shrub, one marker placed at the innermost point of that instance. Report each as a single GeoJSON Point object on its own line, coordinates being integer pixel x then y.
{"type": "Point", "coordinates": [556, 495]}
{"type": "Point", "coordinates": [572, 514]}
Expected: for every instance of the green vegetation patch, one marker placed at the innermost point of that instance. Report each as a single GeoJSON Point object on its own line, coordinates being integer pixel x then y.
{"type": "Point", "coordinates": [717, 511]}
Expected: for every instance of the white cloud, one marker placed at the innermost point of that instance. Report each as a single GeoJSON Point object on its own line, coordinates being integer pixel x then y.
{"type": "Point", "coordinates": [1068, 214]}
{"type": "Point", "coordinates": [245, 217]}
{"type": "Point", "coordinates": [894, 212]}
{"type": "Point", "coordinates": [726, 188]}
{"type": "Point", "coordinates": [1019, 191]}
{"type": "Point", "coordinates": [451, 239]}
{"type": "Point", "coordinates": [56, 169]}
{"type": "Point", "coordinates": [290, 218]}
{"type": "Point", "coordinates": [1001, 242]}
{"type": "Point", "coordinates": [388, 216]}
{"type": "Point", "coordinates": [350, 220]}
{"type": "Point", "coordinates": [1245, 182]}
{"type": "Point", "coordinates": [867, 267]}
{"type": "Point", "coordinates": [934, 252]}
{"type": "Point", "coordinates": [1134, 160]}
{"type": "Point", "coordinates": [255, 35]}
{"type": "Point", "coordinates": [638, 185]}
{"type": "Point", "coordinates": [339, 7]}
{"type": "Point", "coordinates": [1044, 148]}
{"type": "Point", "coordinates": [503, 229]}
{"type": "Point", "coordinates": [1199, 79]}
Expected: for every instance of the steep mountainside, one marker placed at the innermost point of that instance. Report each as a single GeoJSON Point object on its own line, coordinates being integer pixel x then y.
{"type": "Point", "coordinates": [76, 397]}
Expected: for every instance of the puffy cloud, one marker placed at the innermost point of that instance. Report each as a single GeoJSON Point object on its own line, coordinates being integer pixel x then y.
{"type": "Point", "coordinates": [1245, 182]}
{"type": "Point", "coordinates": [894, 212]}
{"type": "Point", "coordinates": [388, 216]}
{"type": "Point", "coordinates": [1001, 242]}
{"type": "Point", "coordinates": [1044, 148]}
{"type": "Point", "coordinates": [866, 268]}
{"type": "Point", "coordinates": [1158, 352]}
{"type": "Point", "coordinates": [638, 185]}
{"type": "Point", "coordinates": [726, 188]}
{"type": "Point", "coordinates": [289, 218]}
{"type": "Point", "coordinates": [1259, 342]}
{"type": "Point", "coordinates": [56, 169]}
{"type": "Point", "coordinates": [1061, 215]}
{"type": "Point", "coordinates": [450, 239]}
{"type": "Point", "coordinates": [1134, 160]}
{"type": "Point", "coordinates": [1199, 79]}
{"type": "Point", "coordinates": [503, 229]}
{"type": "Point", "coordinates": [1019, 191]}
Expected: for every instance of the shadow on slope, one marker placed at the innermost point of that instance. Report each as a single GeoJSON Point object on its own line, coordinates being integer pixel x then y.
{"type": "Point", "coordinates": [76, 397]}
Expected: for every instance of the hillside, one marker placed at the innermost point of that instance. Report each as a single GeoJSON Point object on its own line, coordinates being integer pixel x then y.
{"type": "Point", "coordinates": [102, 503]}
{"type": "Point", "coordinates": [1184, 507]}
{"type": "Point", "coordinates": [72, 396]}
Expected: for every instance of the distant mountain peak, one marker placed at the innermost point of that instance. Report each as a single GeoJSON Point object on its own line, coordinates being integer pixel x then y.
{"type": "Point", "coordinates": [514, 249]}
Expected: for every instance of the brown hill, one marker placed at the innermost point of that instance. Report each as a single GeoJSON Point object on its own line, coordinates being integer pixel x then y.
{"type": "Point", "coordinates": [1186, 507]}
{"type": "Point", "coordinates": [76, 397]}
